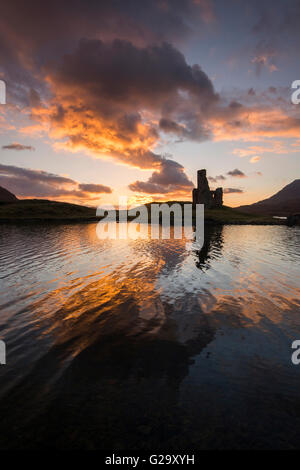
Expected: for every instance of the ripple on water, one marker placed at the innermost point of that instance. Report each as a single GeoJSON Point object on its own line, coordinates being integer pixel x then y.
{"type": "Point", "coordinates": [163, 313]}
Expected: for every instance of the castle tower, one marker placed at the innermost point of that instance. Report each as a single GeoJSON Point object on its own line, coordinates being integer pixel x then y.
{"type": "Point", "coordinates": [202, 182]}
{"type": "Point", "coordinates": [203, 195]}
{"type": "Point", "coordinates": [218, 197]}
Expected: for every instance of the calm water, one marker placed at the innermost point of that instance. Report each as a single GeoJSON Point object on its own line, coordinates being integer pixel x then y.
{"type": "Point", "coordinates": [149, 344]}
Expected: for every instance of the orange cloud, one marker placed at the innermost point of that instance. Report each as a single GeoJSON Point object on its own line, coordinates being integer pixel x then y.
{"type": "Point", "coordinates": [255, 159]}
{"type": "Point", "coordinates": [274, 147]}
{"type": "Point", "coordinates": [253, 124]}
{"type": "Point", "coordinates": [264, 60]}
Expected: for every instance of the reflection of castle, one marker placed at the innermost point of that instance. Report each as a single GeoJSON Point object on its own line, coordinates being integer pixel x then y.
{"type": "Point", "coordinates": [203, 195]}
{"type": "Point", "coordinates": [212, 246]}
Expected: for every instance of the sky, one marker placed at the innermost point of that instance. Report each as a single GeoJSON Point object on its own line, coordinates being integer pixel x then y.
{"type": "Point", "coordinates": [129, 98]}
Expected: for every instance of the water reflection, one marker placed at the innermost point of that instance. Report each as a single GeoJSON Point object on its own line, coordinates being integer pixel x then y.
{"type": "Point", "coordinates": [149, 343]}
{"type": "Point", "coordinates": [213, 242]}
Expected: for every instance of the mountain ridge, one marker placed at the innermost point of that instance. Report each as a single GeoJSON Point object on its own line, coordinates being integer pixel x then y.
{"type": "Point", "coordinates": [283, 203]}
{"type": "Point", "coordinates": [7, 196]}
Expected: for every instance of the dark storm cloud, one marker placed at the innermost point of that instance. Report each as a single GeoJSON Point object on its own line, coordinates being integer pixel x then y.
{"type": "Point", "coordinates": [127, 75]}
{"type": "Point", "coordinates": [236, 173]}
{"type": "Point", "coordinates": [18, 147]}
{"type": "Point", "coordinates": [33, 33]}
{"type": "Point", "coordinates": [146, 21]}
{"type": "Point", "coordinates": [36, 183]}
{"type": "Point", "coordinates": [170, 178]}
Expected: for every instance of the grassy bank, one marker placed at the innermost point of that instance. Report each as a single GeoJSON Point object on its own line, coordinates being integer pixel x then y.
{"type": "Point", "coordinates": [38, 210]}
{"type": "Point", "coordinates": [227, 215]}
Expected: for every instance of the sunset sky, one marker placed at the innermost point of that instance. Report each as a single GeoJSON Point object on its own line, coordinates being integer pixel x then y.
{"type": "Point", "coordinates": [109, 98]}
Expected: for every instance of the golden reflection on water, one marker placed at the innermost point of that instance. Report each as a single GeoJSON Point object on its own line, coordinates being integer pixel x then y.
{"type": "Point", "coordinates": [70, 273]}
{"type": "Point", "coordinates": [160, 318]}
{"type": "Point", "coordinates": [248, 272]}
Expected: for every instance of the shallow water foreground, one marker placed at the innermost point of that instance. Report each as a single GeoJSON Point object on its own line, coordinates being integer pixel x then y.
{"type": "Point", "coordinates": [149, 344]}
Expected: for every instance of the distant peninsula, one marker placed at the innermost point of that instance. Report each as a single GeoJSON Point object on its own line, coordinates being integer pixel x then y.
{"type": "Point", "coordinates": [41, 210]}
{"type": "Point", "coordinates": [285, 205]}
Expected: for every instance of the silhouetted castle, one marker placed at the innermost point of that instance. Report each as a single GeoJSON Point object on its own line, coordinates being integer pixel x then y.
{"type": "Point", "coordinates": [203, 195]}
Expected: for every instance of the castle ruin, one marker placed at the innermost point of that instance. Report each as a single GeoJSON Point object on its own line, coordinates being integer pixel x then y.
{"type": "Point", "coordinates": [203, 195]}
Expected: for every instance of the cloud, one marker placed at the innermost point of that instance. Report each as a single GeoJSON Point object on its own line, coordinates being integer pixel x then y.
{"type": "Point", "coordinates": [169, 179]}
{"type": "Point", "coordinates": [215, 179]}
{"type": "Point", "coordinates": [16, 146]}
{"type": "Point", "coordinates": [236, 173]}
{"type": "Point", "coordinates": [283, 18]}
{"type": "Point", "coordinates": [94, 188]}
{"type": "Point", "coordinates": [150, 20]}
{"type": "Point", "coordinates": [262, 60]}
{"type": "Point", "coordinates": [114, 97]}
{"type": "Point", "coordinates": [277, 147]}
{"type": "Point", "coordinates": [32, 34]}
{"type": "Point", "coordinates": [169, 126]}
{"type": "Point", "coordinates": [267, 117]}
{"type": "Point", "coordinates": [36, 183]}
{"type": "Point", "coordinates": [255, 159]}
{"type": "Point", "coordinates": [109, 96]}
{"type": "Point", "coordinates": [232, 190]}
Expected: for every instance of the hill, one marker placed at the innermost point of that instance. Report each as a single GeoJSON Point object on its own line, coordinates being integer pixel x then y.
{"type": "Point", "coordinates": [7, 196]}
{"type": "Point", "coordinates": [283, 203]}
{"type": "Point", "coordinates": [32, 210]}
